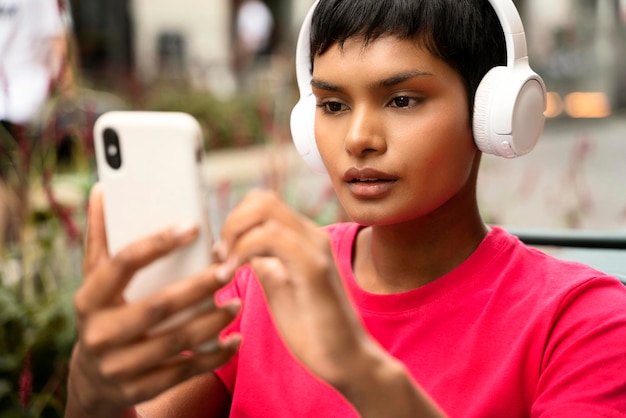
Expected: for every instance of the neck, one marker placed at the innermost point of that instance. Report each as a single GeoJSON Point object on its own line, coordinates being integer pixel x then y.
{"type": "Point", "coordinates": [401, 257]}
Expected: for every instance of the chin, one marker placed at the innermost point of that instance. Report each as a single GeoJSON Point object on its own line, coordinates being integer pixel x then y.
{"type": "Point", "coordinates": [371, 218]}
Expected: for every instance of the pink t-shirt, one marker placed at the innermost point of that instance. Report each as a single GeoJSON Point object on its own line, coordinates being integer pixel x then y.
{"type": "Point", "coordinates": [511, 332]}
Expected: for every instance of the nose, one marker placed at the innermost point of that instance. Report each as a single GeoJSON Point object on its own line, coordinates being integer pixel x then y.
{"type": "Point", "coordinates": [365, 133]}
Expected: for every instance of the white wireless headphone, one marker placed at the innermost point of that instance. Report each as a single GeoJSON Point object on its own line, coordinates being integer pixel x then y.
{"type": "Point", "coordinates": [508, 107]}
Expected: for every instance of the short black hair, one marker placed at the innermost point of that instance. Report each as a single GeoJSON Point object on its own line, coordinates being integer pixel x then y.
{"type": "Point", "coordinates": [466, 34]}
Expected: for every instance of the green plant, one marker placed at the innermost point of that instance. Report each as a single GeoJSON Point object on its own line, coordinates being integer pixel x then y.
{"type": "Point", "coordinates": [227, 123]}
{"type": "Point", "coordinates": [38, 275]}
{"type": "Point", "coordinates": [40, 251]}
{"type": "Point", "coordinates": [35, 344]}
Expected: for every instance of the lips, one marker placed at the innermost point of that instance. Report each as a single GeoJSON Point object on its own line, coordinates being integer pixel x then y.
{"type": "Point", "coordinates": [355, 175]}
{"type": "Point", "coordinates": [368, 182]}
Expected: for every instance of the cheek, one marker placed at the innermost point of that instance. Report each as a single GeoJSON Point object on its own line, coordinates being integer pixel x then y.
{"type": "Point", "coordinates": [329, 139]}
{"type": "Point", "coordinates": [437, 138]}
{"type": "Point", "coordinates": [442, 150]}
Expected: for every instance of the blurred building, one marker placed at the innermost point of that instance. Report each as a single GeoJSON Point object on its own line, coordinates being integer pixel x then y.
{"type": "Point", "coordinates": [103, 31]}
{"type": "Point", "coordinates": [576, 45]}
{"type": "Point", "coordinates": [191, 40]}
{"type": "Point", "coordinates": [181, 39]}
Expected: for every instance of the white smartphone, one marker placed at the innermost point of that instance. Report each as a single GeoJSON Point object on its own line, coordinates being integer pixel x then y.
{"type": "Point", "coordinates": [150, 168]}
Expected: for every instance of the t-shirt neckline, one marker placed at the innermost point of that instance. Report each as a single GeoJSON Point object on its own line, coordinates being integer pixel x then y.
{"type": "Point", "coordinates": [467, 274]}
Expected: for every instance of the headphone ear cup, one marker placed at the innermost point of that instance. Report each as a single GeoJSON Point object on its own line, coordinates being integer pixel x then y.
{"type": "Point", "coordinates": [302, 124]}
{"type": "Point", "coordinates": [509, 111]}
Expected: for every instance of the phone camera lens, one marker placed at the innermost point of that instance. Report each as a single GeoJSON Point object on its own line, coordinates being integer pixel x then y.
{"type": "Point", "coordinates": [112, 150]}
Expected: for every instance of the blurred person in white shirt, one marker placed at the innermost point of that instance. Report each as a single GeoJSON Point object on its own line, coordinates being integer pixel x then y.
{"type": "Point", "coordinates": [32, 53]}
{"type": "Point", "coordinates": [254, 24]}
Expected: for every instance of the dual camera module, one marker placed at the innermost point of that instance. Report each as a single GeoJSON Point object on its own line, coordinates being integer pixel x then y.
{"type": "Point", "coordinates": [112, 151]}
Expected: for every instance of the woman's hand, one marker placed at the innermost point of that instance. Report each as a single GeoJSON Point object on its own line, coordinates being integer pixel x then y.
{"type": "Point", "coordinates": [117, 362]}
{"type": "Point", "coordinates": [294, 262]}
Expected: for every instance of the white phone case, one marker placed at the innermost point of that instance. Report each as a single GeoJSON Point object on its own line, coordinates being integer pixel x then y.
{"type": "Point", "coordinates": [158, 184]}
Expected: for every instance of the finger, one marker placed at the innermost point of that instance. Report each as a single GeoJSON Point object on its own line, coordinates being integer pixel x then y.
{"type": "Point", "coordinates": [303, 254]}
{"type": "Point", "coordinates": [149, 353]}
{"type": "Point", "coordinates": [108, 280]}
{"type": "Point", "coordinates": [96, 240]}
{"type": "Point", "coordinates": [109, 328]}
{"type": "Point", "coordinates": [256, 208]}
{"type": "Point", "coordinates": [285, 293]}
{"type": "Point", "coordinates": [151, 384]}
{"type": "Point", "coordinates": [297, 274]}
{"type": "Point", "coordinates": [274, 278]}
{"type": "Point", "coordinates": [247, 214]}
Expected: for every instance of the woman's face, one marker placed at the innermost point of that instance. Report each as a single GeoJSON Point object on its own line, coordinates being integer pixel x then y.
{"type": "Point", "coordinates": [393, 129]}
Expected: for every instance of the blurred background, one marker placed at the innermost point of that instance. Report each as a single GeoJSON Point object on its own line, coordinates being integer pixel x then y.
{"type": "Point", "coordinates": [229, 64]}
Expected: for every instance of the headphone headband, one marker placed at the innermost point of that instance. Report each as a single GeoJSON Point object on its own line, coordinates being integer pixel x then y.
{"type": "Point", "coordinates": [508, 106]}
{"type": "Point", "coordinates": [513, 29]}
{"type": "Point", "coordinates": [303, 51]}
{"type": "Point", "coordinates": [510, 21]}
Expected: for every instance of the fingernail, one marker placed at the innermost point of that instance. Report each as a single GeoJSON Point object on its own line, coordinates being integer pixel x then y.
{"type": "Point", "coordinates": [233, 306]}
{"type": "Point", "coordinates": [225, 271]}
{"type": "Point", "coordinates": [232, 341]}
{"type": "Point", "coordinates": [207, 305]}
{"type": "Point", "coordinates": [96, 188]}
{"type": "Point", "coordinates": [183, 229]}
{"type": "Point", "coordinates": [220, 251]}
{"type": "Point", "coordinates": [208, 347]}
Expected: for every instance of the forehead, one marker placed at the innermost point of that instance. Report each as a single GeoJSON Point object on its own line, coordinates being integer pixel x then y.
{"type": "Point", "coordinates": [388, 53]}
{"type": "Point", "coordinates": [389, 43]}
{"type": "Point", "coordinates": [386, 64]}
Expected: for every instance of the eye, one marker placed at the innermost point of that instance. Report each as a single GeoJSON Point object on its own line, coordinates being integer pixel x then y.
{"type": "Point", "coordinates": [332, 107]}
{"type": "Point", "coordinates": [405, 101]}
{"type": "Point", "coordinates": [401, 101]}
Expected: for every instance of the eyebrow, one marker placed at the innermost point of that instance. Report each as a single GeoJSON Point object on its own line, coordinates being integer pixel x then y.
{"type": "Point", "coordinates": [324, 85]}
{"type": "Point", "coordinates": [401, 78]}
{"type": "Point", "coordinates": [385, 83]}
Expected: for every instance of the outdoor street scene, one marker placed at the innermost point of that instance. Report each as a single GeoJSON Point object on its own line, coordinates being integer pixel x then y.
{"type": "Point", "coordinates": [230, 65]}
